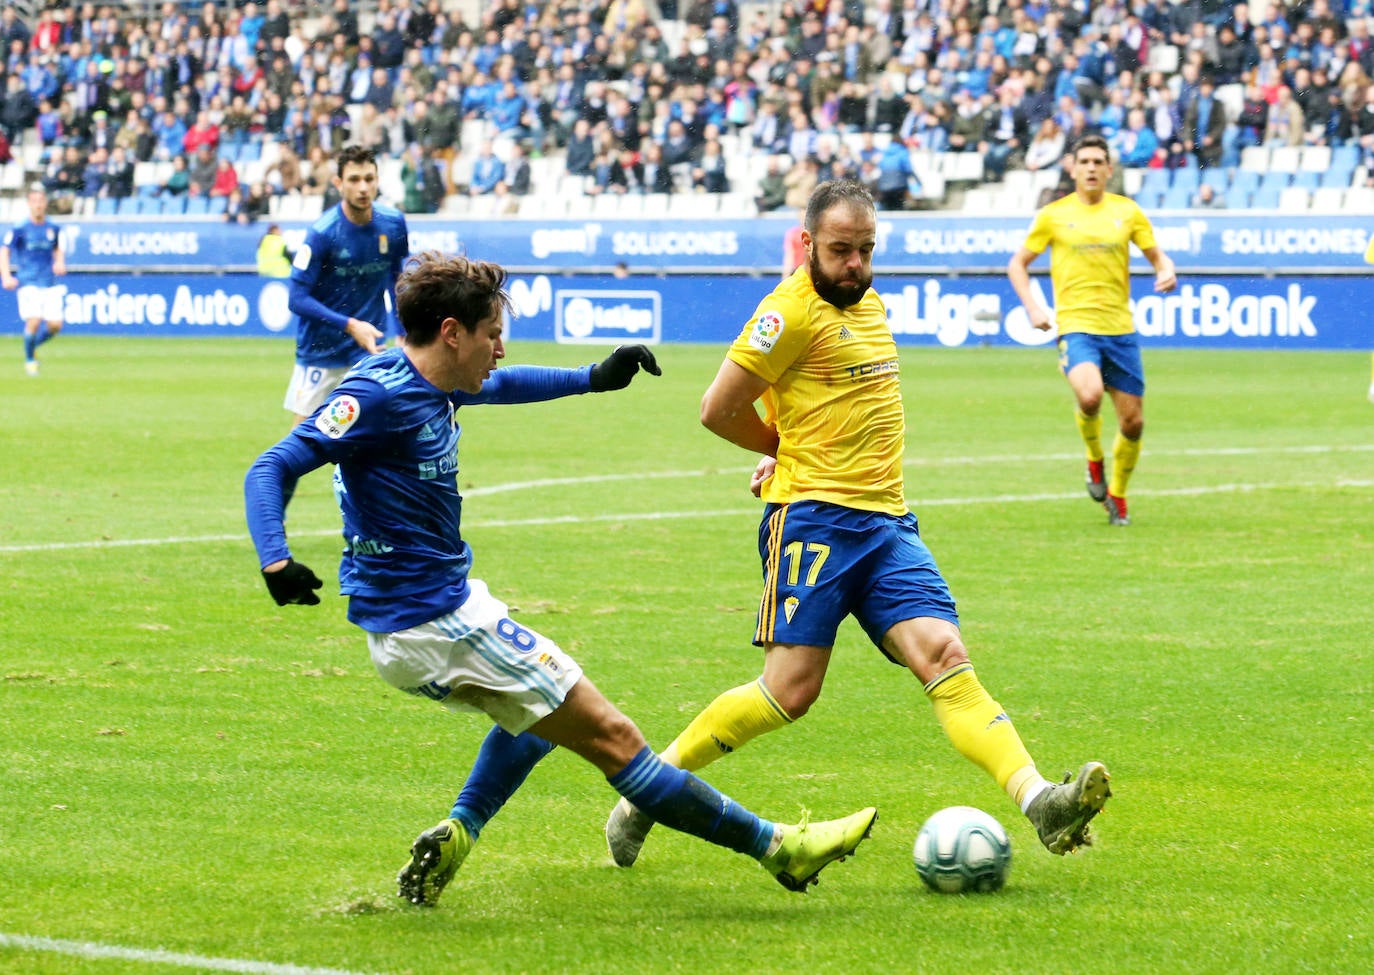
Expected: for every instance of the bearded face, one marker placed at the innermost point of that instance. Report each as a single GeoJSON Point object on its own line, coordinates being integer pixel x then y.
{"type": "Point", "coordinates": [840, 254]}
{"type": "Point", "coordinates": [843, 289]}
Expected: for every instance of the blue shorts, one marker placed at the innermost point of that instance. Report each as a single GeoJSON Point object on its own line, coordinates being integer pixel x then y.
{"type": "Point", "coordinates": [1117, 357]}
{"type": "Point", "coordinates": [823, 562]}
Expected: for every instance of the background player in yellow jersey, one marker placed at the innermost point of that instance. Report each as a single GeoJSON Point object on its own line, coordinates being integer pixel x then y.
{"type": "Point", "coordinates": [1090, 233]}
{"type": "Point", "coordinates": [837, 538]}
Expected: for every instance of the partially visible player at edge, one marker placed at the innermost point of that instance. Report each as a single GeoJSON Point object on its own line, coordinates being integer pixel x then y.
{"type": "Point", "coordinates": [1369, 259]}
{"type": "Point", "coordinates": [343, 281]}
{"type": "Point", "coordinates": [1090, 232]}
{"type": "Point", "coordinates": [31, 259]}
{"type": "Point", "coordinates": [433, 631]}
{"type": "Point", "coordinates": [836, 537]}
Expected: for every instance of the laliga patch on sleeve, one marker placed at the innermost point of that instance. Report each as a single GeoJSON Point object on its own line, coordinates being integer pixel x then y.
{"type": "Point", "coordinates": [302, 259]}
{"type": "Point", "coordinates": [766, 331]}
{"type": "Point", "coordinates": [340, 414]}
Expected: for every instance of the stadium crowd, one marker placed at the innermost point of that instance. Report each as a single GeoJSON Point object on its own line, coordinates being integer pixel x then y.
{"type": "Point", "coordinates": [245, 102]}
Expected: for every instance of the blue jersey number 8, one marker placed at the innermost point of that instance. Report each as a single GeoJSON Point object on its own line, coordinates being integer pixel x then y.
{"type": "Point", "coordinates": [516, 635]}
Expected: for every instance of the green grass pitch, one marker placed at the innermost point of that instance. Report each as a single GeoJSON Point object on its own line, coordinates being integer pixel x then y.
{"type": "Point", "coordinates": [190, 774]}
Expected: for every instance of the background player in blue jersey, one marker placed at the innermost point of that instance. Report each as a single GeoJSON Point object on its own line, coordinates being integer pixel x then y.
{"type": "Point", "coordinates": [343, 282]}
{"type": "Point", "coordinates": [31, 260]}
{"type": "Point", "coordinates": [390, 426]}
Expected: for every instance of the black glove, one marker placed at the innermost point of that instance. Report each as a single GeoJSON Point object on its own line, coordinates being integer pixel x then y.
{"type": "Point", "coordinates": [293, 583]}
{"type": "Point", "coordinates": [618, 368]}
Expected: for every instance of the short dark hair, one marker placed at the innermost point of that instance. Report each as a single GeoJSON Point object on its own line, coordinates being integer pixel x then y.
{"type": "Point", "coordinates": [362, 155]}
{"type": "Point", "coordinates": [832, 193]}
{"type": "Point", "coordinates": [1093, 141]}
{"type": "Point", "coordinates": [437, 286]}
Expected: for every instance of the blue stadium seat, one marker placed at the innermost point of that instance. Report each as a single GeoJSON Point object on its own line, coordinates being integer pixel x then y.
{"type": "Point", "coordinates": [1155, 181]}
{"type": "Point", "coordinates": [229, 151]}
{"type": "Point", "coordinates": [174, 206]}
{"type": "Point", "coordinates": [1345, 158]}
{"type": "Point", "coordinates": [1245, 179]}
{"type": "Point", "coordinates": [106, 207]}
{"type": "Point", "coordinates": [250, 152]}
{"type": "Point", "coordinates": [1306, 180]}
{"type": "Point", "coordinates": [149, 189]}
{"type": "Point", "coordinates": [197, 206]}
{"type": "Point", "coordinates": [1337, 178]}
{"type": "Point", "coordinates": [1178, 198]}
{"type": "Point", "coordinates": [1265, 199]}
{"type": "Point", "coordinates": [218, 204]}
{"type": "Point", "coordinates": [128, 207]}
{"type": "Point", "coordinates": [1150, 199]}
{"type": "Point", "coordinates": [1187, 179]}
{"type": "Point", "coordinates": [1237, 198]}
{"type": "Point", "coordinates": [1275, 182]}
{"type": "Point", "coordinates": [149, 206]}
{"type": "Point", "coordinates": [1218, 179]}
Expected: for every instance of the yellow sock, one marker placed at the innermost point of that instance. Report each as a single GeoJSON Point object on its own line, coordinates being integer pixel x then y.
{"type": "Point", "coordinates": [1125, 452]}
{"type": "Point", "coordinates": [735, 718]}
{"type": "Point", "coordinates": [981, 730]}
{"type": "Point", "coordinates": [1090, 429]}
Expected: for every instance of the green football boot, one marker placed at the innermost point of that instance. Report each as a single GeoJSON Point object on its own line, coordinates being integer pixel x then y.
{"type": "Point", "coordinates": [1061, 813]}
{"type": "Point", "coordinates": [809, 847]}
{"type": "Point", "coordinates": [435, 857]}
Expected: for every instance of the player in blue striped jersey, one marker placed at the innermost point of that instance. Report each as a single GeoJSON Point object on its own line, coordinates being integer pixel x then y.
{"type": "Point", "coordinates": [31, 260]}
{"type": "Point", "coordinates": [343, 282]}
{"type": "Point", "coordinates": [432, 630]}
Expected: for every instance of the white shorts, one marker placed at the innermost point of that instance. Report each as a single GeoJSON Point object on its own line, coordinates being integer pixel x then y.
{"type": "Point", "coordinates": [43, 304]}
{"type": "Point", "coordinates": [311, 386]}
{"type": "Point", "coordinates": [478, 659]}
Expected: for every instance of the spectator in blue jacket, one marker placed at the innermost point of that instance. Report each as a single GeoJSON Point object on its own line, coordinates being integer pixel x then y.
{"type": "Point", "coordinates": [487, 171]}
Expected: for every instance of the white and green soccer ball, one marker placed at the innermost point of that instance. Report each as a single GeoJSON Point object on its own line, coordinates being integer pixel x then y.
{"type": "Point", "coordinates": [961, 849]}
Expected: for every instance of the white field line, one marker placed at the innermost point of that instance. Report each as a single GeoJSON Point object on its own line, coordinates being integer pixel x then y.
{"type": "Point", "coordinates": [916, 503]}
{"type": "Point", "coordinates": [156, 956]}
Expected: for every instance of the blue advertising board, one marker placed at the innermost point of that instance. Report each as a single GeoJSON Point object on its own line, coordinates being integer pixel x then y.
{"type": "Point", "coordinates": [1206, 242]}
{"type": "Point", "coordinates": [1231, 311]}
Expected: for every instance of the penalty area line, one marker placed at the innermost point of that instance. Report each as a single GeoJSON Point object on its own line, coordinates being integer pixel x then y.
{"type": "Point", "coordinates": [157, 956]}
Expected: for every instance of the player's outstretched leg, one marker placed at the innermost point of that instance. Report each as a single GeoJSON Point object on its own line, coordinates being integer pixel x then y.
{"type": "Point", "coordinates": [807, 848]}
{"type": "Point", "coordinates": [435, 857]}
{"type": "Point", "coordinates": [1061, 813]}
{"type": "Point", "coordinates": [626, 830]}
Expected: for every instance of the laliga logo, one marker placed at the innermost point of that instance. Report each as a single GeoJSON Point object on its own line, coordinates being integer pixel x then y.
{"type": "Point", "coordinates": [273, 306]}
{"type": "Point", "coordinates": [1017, 324]}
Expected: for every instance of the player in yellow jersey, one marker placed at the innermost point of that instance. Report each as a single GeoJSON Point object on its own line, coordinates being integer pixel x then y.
{"type": "Point", "coordinates": [1090, 233]}
{"type": "Point", "coordinates": [836, 538]}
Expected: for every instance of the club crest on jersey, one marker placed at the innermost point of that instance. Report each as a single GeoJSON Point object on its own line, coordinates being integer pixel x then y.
{"type": "Point", "coordinates": [335, 419]}
{"type": "Point", "coordinates": [766, 331]}
{"type": "Point", "coordinates": [381, 243]}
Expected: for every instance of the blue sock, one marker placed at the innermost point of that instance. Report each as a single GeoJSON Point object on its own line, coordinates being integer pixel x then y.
{"type": "Point", "coordinates": [30, 343]}
{"type": "Point", "coordinates": [41, 336]}
{"type": "Point", "coordinates": [502, 763]}
{"type": "Point", "coordinates": [681, 801]}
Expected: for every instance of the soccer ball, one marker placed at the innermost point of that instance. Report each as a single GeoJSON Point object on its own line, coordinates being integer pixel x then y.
{"type": "Point", "coordinates": [962, 849]}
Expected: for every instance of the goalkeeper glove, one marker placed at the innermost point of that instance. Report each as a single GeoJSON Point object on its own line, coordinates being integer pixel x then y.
{"type": "Point", "coordinates": [618, 368]}
{"type": "Point", "coordinates": [293, 583]}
